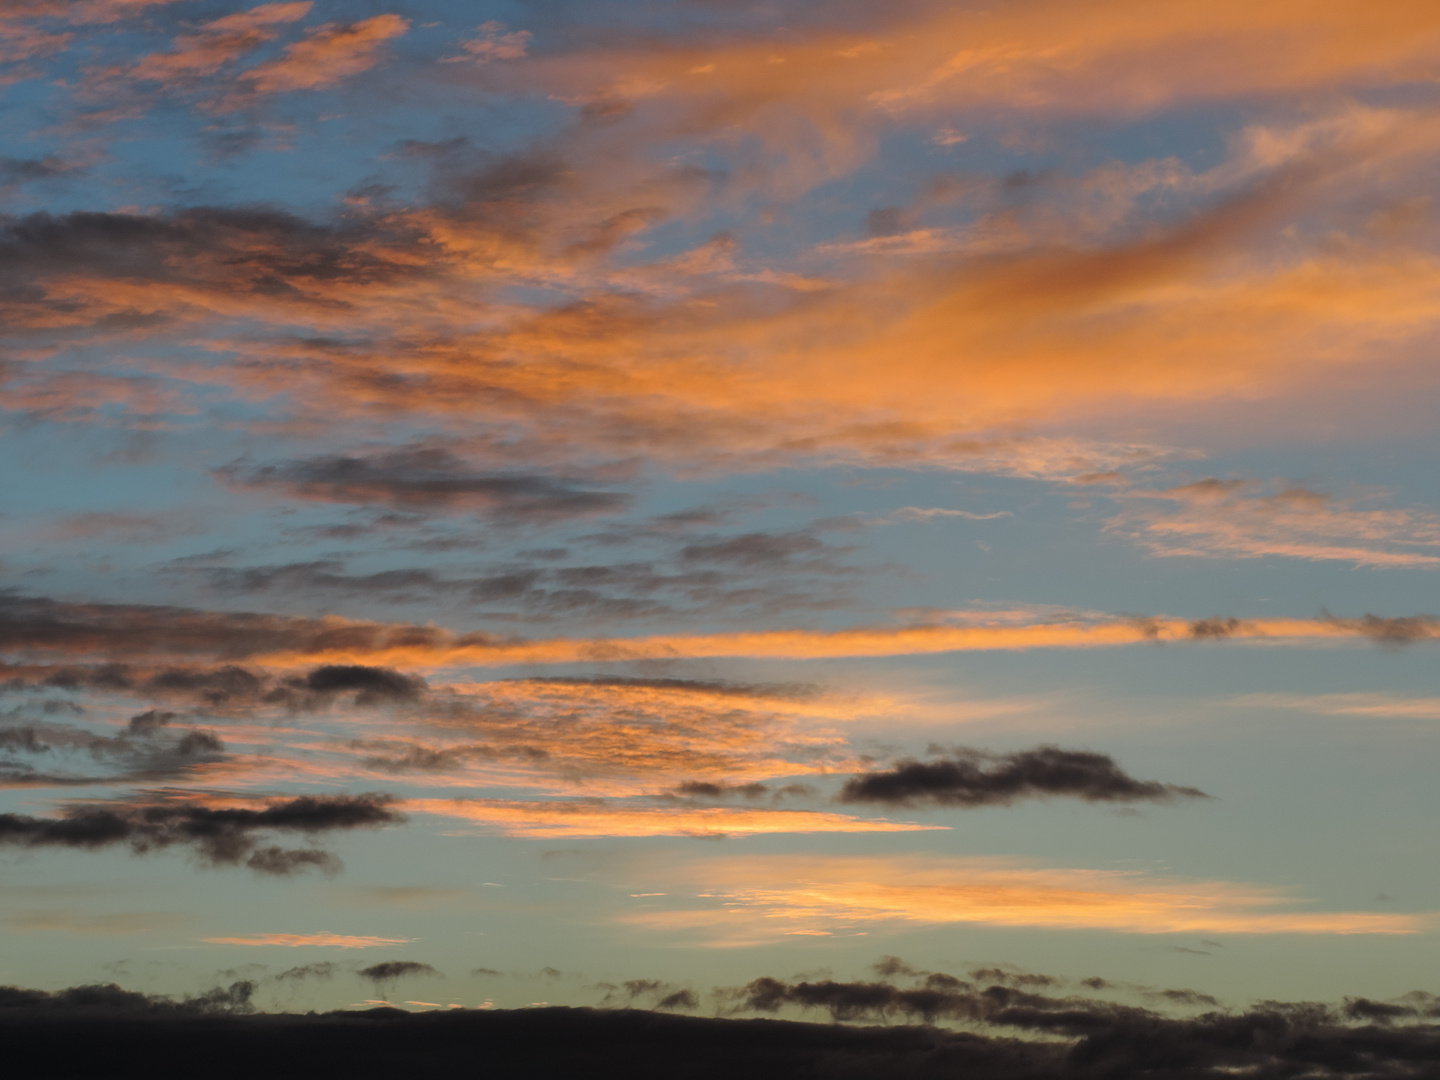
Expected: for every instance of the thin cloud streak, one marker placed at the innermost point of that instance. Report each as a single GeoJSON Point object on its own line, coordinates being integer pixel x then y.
{"type": "Point", "coordinates": [323, 939]}
{"type": "Point", "coordinates": [770, 897]}
{"type": "Point", "coordinates": [578, 819]}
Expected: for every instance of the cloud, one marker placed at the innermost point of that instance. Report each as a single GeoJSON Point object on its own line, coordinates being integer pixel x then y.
{"type": "Point", "coordinates": [596, 818]}
{"type": "Point", "coordinates": [323, 969]}
{"type": "Point", "coordinates": [218, 836]}
{"type": "Point", "coordinates": [1006, 1033]}
{"type": "Point", "coordinates": [390, 971]}
{"type": "Point", "coordinates": [964, 780]}
{"type": "Point", "coordinates": [426, 478]}
{"type": "Point", "coordinates": [1241, 519]}
{"type": "Point", "coordinates": [17, 171]}
{"type": "Point", "coordinates": [329, 54]}
{"type": "Point", "coordinates": [322, 939]}
{"type": "Point", "coordinates": [978, 634]}
{"type": "Point", "coordinates": [495, 41]}
{"type": "Point", "coordinates": [1392, 632]}
{"type": "Point", "coordinates": [217, 43]}
{"type": "Point", "coordinates": [764, 899]}
{"type": "Point", "coordinates": [32, 626]}
{"type": "Point", "coordinates": [371, 684]}
{"type": "Point", "coordinates": [1374, 705]}
{"type": "Point", "coordinates": [143, 751]}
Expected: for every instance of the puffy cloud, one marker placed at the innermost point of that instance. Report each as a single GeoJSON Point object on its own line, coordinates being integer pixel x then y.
{"type": "Point", "coordinates": [963, 779]}
{"type": "Point", "coordinates": [219, 836]}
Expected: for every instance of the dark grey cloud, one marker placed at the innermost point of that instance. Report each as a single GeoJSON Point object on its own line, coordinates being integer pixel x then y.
{"type": "Point", "coordinates": [428, 478]}
{"type": "Point", "coordinates": [1393, 632]}
{"type": "Point", "coordinates": [109, 998]}
{"type": "Point", "coordinates": [402, 756]}
{"type": "Point", "coordinates": [322, 969]}
{"type": "Point", "coordinates": [371, 684]}
{"type": "Point", "coordinates": [224, 836]}
{"type": "Point", "coordinates": [148, 749]}
{"type": "Point", "coordinates": [630, 590]}
{"type": "Point", "coordinates": [17, 171]}
{"type": "Point", "coordinates": [220, 688]}
{"type": "Point", "coordinates": [1216, 628]}
{"type": "Point", "coordinates": [390, 971]}
{"type": "Point", "coordinates": [246, 251]}
{"type": "Point", "coordinates": [975, 778]}
{"type": "Point", "coordinates": [37, 626]}
{"type": "Point", "coordinates": [759, 550]}
{"type": "Point", "coordinates": [659, 993]}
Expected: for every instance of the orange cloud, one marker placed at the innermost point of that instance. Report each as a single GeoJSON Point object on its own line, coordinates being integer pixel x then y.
{"type": "Point", "coordinates": [815, 103]}
{"type": "Point", "coordinates": [218, 43]}
{"type": "Point", "coordinates": [763, 899]}
{"type": "Point", "coordinates": [1240, 519]}
{"type": "Point", "coordinates": [520, 818]}
{"type": "Point", "coordinates": [329, 54]}
{"type": "Point", "coordinates": [707, 361]}
{"type": "Point", "coordinates": [322, 939]}
{"type": "Point", "coordinates": [105, 11]}
{"type": "Point", "coordinates": [622, 739]}
{"type": "Point", "coordinates": [818, 644]}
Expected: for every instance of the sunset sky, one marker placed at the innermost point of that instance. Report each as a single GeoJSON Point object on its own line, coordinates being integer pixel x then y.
{"type": "Point", "coordinates": [549, 496]}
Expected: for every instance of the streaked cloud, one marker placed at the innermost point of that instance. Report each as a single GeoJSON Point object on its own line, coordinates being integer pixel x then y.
{"type": "Point", "coordinates": [1241, 519]}
{"type": "Point", "coordinates": [764, 899]}
{"type": "Point", "coordinates": [1377, 705]}
{"type": "Point", "coordinates": [322, 939]}
{"type": "Point", "coordinates": [595, 818]}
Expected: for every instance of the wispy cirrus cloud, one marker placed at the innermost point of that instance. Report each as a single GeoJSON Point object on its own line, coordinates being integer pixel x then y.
{"type": "Point", "coordinates": [1216, 518]}
{"type": "Point", "coordinates": [768, 898]}
{"type": "Point", "coordinates": [596, 818]}
{"type": "Point", "coordinates": [320, 939]}
{"type": "Point", "coordinates": [217, 43]}
{"type": "Point", "coordinates": [40, 628]}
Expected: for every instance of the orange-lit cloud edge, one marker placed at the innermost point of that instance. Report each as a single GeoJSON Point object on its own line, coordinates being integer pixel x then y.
{"type": "Point", "coordinates": [322, 939]}
{"type": "Point", "coordinates": [876, 641]}
{"type": "Point", "coordinates": [513, 817]}
{"type": "Point", "coordinates": [767, 898]}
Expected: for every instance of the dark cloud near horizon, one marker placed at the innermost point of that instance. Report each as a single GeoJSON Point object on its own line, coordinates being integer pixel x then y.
{"type": "Point", "coordinates": [1009, 1035]}
{"type": "Point", "coordinates": [100, 998]}
{"type": "Point", "coordinates": [970, 778]}
{"type": "Point", "coordinates": [431, 479]}
{"type": "Point", "coordinates": [664, 996]}
{"type": "Point", "coordinates": [224, 836]}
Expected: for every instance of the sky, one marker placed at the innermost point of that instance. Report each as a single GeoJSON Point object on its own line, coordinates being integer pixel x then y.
{"type": "Point", "coordinates": [607, 504]}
